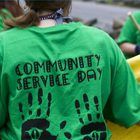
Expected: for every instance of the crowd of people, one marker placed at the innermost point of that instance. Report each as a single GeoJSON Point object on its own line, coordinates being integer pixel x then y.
{"type": "Point", "coordinates": [61, 79]}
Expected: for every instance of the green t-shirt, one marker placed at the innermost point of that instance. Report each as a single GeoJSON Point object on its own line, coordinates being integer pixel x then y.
{"type": "Point", "coordinates": [56, 82]}
{"type": "Point", "coordinates": [5, 15]}
{"type": "Point", "coordinates": [129, 32]}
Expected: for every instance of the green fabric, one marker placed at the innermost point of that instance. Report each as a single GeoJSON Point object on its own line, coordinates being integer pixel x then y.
{"type": "Point", "coordinates": [129, 32]}
{"type": "Point", "coordinates": [7, 14]}
{"type": "Point", "coordinates": [56, 82]}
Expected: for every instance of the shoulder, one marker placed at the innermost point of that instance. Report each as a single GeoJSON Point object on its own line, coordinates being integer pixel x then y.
{"type": "Point", "coordinates": [9, 32]}
{"type": "Point", "coordinates": [100, 40]}
{"type": "Point", "coordinates": [91, 29]}
{"type": "Point", "coordinates": [12, 35]}
{"type": "Point", "coordinates": [136, 14]}
{"type": "Point", "coordinates": [94, 33]}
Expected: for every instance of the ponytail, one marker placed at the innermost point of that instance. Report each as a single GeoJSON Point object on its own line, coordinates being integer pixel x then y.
{"type": "Point", "coordinates": [29, 19]}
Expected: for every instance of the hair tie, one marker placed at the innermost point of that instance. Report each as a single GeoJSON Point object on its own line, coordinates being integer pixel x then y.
{"type": "Point", "coordinates": [55, 15]}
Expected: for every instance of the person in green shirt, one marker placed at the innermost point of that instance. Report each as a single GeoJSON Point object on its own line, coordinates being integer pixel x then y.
{"type": "Point", "coordinates": [8, 9]}
{"type": "Point", "coordinates": [58, 77]}
{"type": "Point", "coordinates": [129, 39]}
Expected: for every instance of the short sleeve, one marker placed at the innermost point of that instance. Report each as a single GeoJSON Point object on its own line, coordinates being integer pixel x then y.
{"type": "Point", "coordinates": [123, 106]}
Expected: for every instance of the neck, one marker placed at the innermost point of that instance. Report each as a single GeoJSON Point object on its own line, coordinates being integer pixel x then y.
{"type": "Point", "coordinates": [44, 21]}
{"type": "Point", "coordinates": [47, 23]}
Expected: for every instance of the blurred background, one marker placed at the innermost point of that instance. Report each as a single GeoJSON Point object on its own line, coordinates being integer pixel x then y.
{"type": "Point", "coordinates": [108, 15]}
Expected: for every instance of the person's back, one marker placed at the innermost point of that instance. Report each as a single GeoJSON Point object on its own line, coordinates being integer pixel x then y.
{"type": "Point", "coordinates": [56, 82]}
